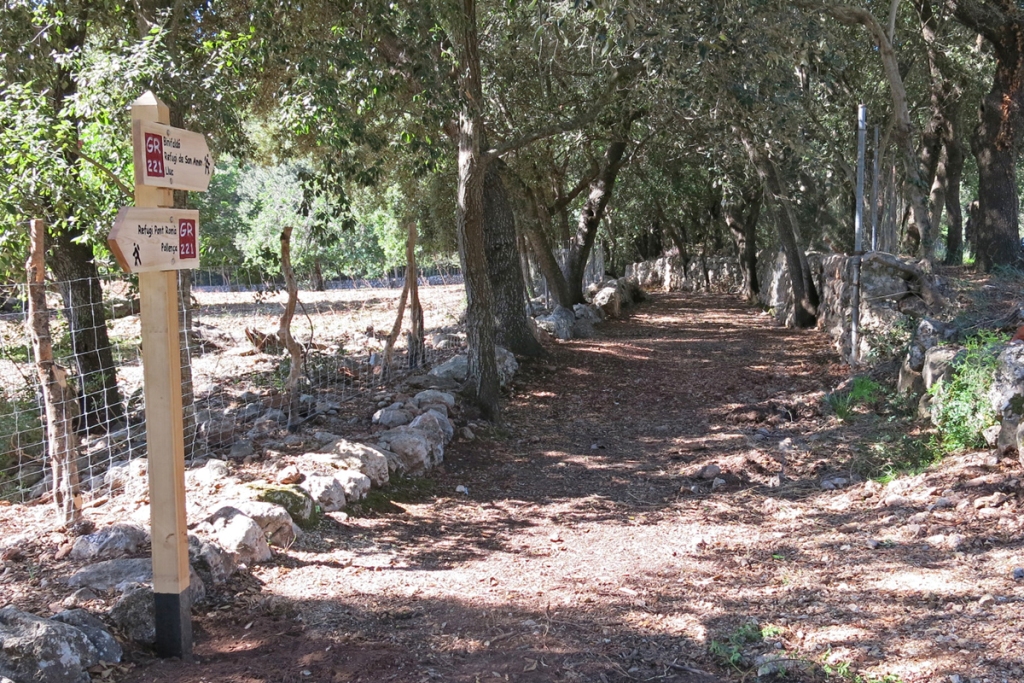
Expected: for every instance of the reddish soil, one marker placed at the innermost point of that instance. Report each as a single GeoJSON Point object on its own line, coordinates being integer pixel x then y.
{"type": "Point", "coordinates": [590, 547]}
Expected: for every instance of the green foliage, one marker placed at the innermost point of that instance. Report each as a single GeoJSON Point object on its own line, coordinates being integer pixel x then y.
{"type": "Point", "coordinates": [863, 391]}
{"type": "Point", "coordinates": [21, 435]}
{"type": "Point", "coordinates": [844, 671]}
{"type": "Point", "coordinates": [894, 456]}
{"type": "Point", "coordinates": [730, 652]}
{"type": "Point", "coordinates": [960, 407]}
{"type": "Point", "coordinates": [889, 342]}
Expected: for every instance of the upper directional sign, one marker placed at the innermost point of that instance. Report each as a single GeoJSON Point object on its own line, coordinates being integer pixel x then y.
{"type": "Point", "coordinates": [171, 157]}
{"type": "Point", "coordinates": [146, 240]}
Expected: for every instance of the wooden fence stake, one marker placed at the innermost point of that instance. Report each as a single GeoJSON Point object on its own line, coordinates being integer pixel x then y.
{"type": "Point", "coordinates": [161, 359]}
{"type": "Point", "coordinates": [59, 396]}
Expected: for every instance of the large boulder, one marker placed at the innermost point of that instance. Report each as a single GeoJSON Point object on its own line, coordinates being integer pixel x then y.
{"type": "Point", "coordinates": [929, 333]}
{"type": "Point", "coordinates": [296, 500]}
{"type": "Point", "coordinates": [939, 363]}
{"type": "Point", "coordinates": [95, 630]}
{"type": "Point", "coordinates": [457, 368]}
{"type": "Point", "coordinates": [274, 520]}
{"type": "Point", "coordinates": [37, 650]}
{"type": "Point", "coordinates": [435, 423]}
{"type": "Point", "coordinates": [125, 574]}
{"type": "Point", "coordinates": [237, 533]}
{"type": "Point", "coordinates": [327, 491]}
{"type": "Point", "coordinates": [413, 448]}
{"type": "Point", "coordinates": [134, 614]}
{"type": "Point", "coordinates": [559, 323]}
{"type": "Point", "coordinates": [391, 417]}
{"type": "Point", "coordinates": [610, 298]}
{"type": "Point", "coordinates": [1006, 396]}
{"type": "Point", "coordinates": [433, 396]}
{"type": "Point", "coordinates": [112, 541]}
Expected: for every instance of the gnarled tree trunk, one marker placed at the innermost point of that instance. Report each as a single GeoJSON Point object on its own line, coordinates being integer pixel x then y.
{"type": "Point", "coordinates": [503, 267]}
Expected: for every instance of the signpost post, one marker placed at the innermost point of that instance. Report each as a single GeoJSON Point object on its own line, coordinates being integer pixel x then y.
{"type": "Point", "coordinates": [156, 241]}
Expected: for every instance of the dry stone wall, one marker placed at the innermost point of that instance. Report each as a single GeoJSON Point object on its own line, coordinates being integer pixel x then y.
{"type": "Point", "coordinates": [887, 296]}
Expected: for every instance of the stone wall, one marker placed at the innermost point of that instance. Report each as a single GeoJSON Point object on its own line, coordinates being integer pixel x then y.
{"type": "Point", "coordinates": [670, 274]}
{"type": "Point", "coordinates": [886, 295]}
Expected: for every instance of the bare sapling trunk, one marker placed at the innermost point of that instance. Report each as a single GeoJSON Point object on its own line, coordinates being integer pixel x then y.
{"type": "Point", "coordinates": [58, 394]}
{"type": "Point", "coordinates": [410, 277]}
{"type": "Point", "coordinates": [415, 338]}
{"type": "Point", "coordinates": [284, 331]}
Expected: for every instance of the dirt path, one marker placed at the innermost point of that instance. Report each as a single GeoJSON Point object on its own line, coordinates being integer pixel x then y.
{"type": "Point", "coordinates": [591, 546]}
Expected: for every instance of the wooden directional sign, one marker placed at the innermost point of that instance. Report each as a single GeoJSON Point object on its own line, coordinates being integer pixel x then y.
{"type": "Point", "coordinates": [148, 240]}
{"type": "Point", "coordinates": [171, 157]}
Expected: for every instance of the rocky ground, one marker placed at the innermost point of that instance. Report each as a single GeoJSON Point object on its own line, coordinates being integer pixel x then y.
{"type": "Point", "coordinates": [671, 500]}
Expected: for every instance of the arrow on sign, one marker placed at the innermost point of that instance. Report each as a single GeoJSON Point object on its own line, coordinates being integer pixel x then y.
{"type": "Point", "coordinates": [171, 157]}
{"type": "Point", "coordinates": [146, 240]}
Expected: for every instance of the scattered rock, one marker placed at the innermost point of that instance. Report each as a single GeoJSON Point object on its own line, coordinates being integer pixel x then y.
{"type": "Point", "coordinates": [43, 651]}
{"type": "Point", "coordinates": [391, 417]}
{"type": "Point", "coordinates": [708, 472]}
{"type": "Point", "coordinates": [1018, 574]}
{"type": "Point", "coordinates": [134, 614]}
{"type": "Point", "coordinates": [289, 475]}
{"type": "Point", "coordinates": [241, 450]}
{"type": "Point", "coordinates": [218, 563]}
{"type": "Point", "coordinates": [432, 422]}
{"type": "Point", "coordinates": [113, 541]}
{"type": "Point", "coordinates": [348, 455]}
{"type": "Point", "coordinates": [79, 598]}
{"type": "Point", "coordinates": [355, 484]}
{"type": "Point", "coordinates": [210, 473]}
{"type": "Point", "coordinates": [468, 434]}
{"type": "Point", "coordinates": [457, 369]}
{"type": "Point", "coordinates": [462, 489]}
{"type": "Point", "coordinates": [434, 396]}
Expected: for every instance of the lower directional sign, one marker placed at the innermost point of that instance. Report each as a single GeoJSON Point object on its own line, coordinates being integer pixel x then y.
{"type": "Point", "coordinates": [146, 240]}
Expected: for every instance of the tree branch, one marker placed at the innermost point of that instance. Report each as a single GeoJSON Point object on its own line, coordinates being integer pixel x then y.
{"type": "Point", "coordinates": [620, 75]}
{"type": "Point", "coordinates": [106, 171]}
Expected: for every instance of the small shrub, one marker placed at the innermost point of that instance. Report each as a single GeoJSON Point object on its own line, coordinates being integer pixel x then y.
{"type": "Point", "coordinates": [863, 391]}
{"type": "Point", "coordinates": [890, 342]}
{"type": "Point", "coordinates": [730, 652]}
{"type": "Point", "coordinates": [960, 407]}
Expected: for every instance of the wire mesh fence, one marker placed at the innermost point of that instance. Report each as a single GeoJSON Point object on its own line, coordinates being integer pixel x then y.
{"type": "Point", "coordinates": [234, 365]}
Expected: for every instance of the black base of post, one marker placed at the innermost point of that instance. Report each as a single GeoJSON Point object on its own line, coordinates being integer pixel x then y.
{"type": "Point", "coordinates": [174, 625]}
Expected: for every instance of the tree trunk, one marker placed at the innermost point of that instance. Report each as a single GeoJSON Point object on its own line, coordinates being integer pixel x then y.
{"type": "Point", "coordinates": [741, 217]}
{"type": "Point", "coordinates": [533, 231]}
{"type": "Point", "coordinates": [503, 267]}
{"type": "Point", "coordinates": [590, 218]}
{"type": "Point", "coordinates": [75, 271]}
{"type": "Point", "coordinates": [997, 136]}
{"type": "Point", "coordinates": [954, 173]}
{"type": "Point", "coordinates": [316, 278]}
{"type": "Point", "coordinates": [483, 368]}
{"type": "Point", "coordinates": [805, 296]}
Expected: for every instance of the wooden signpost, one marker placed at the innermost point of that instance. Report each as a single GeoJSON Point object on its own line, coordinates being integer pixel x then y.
{"type": "Point", "coordinates": [156, 241]}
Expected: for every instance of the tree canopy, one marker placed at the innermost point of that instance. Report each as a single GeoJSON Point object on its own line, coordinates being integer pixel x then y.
{"type": "Point", "coordinates": [717, 126]}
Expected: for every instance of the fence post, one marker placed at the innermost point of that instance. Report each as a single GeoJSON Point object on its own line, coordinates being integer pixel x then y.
{"type": "Point", "coordinates": [59, 396]}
